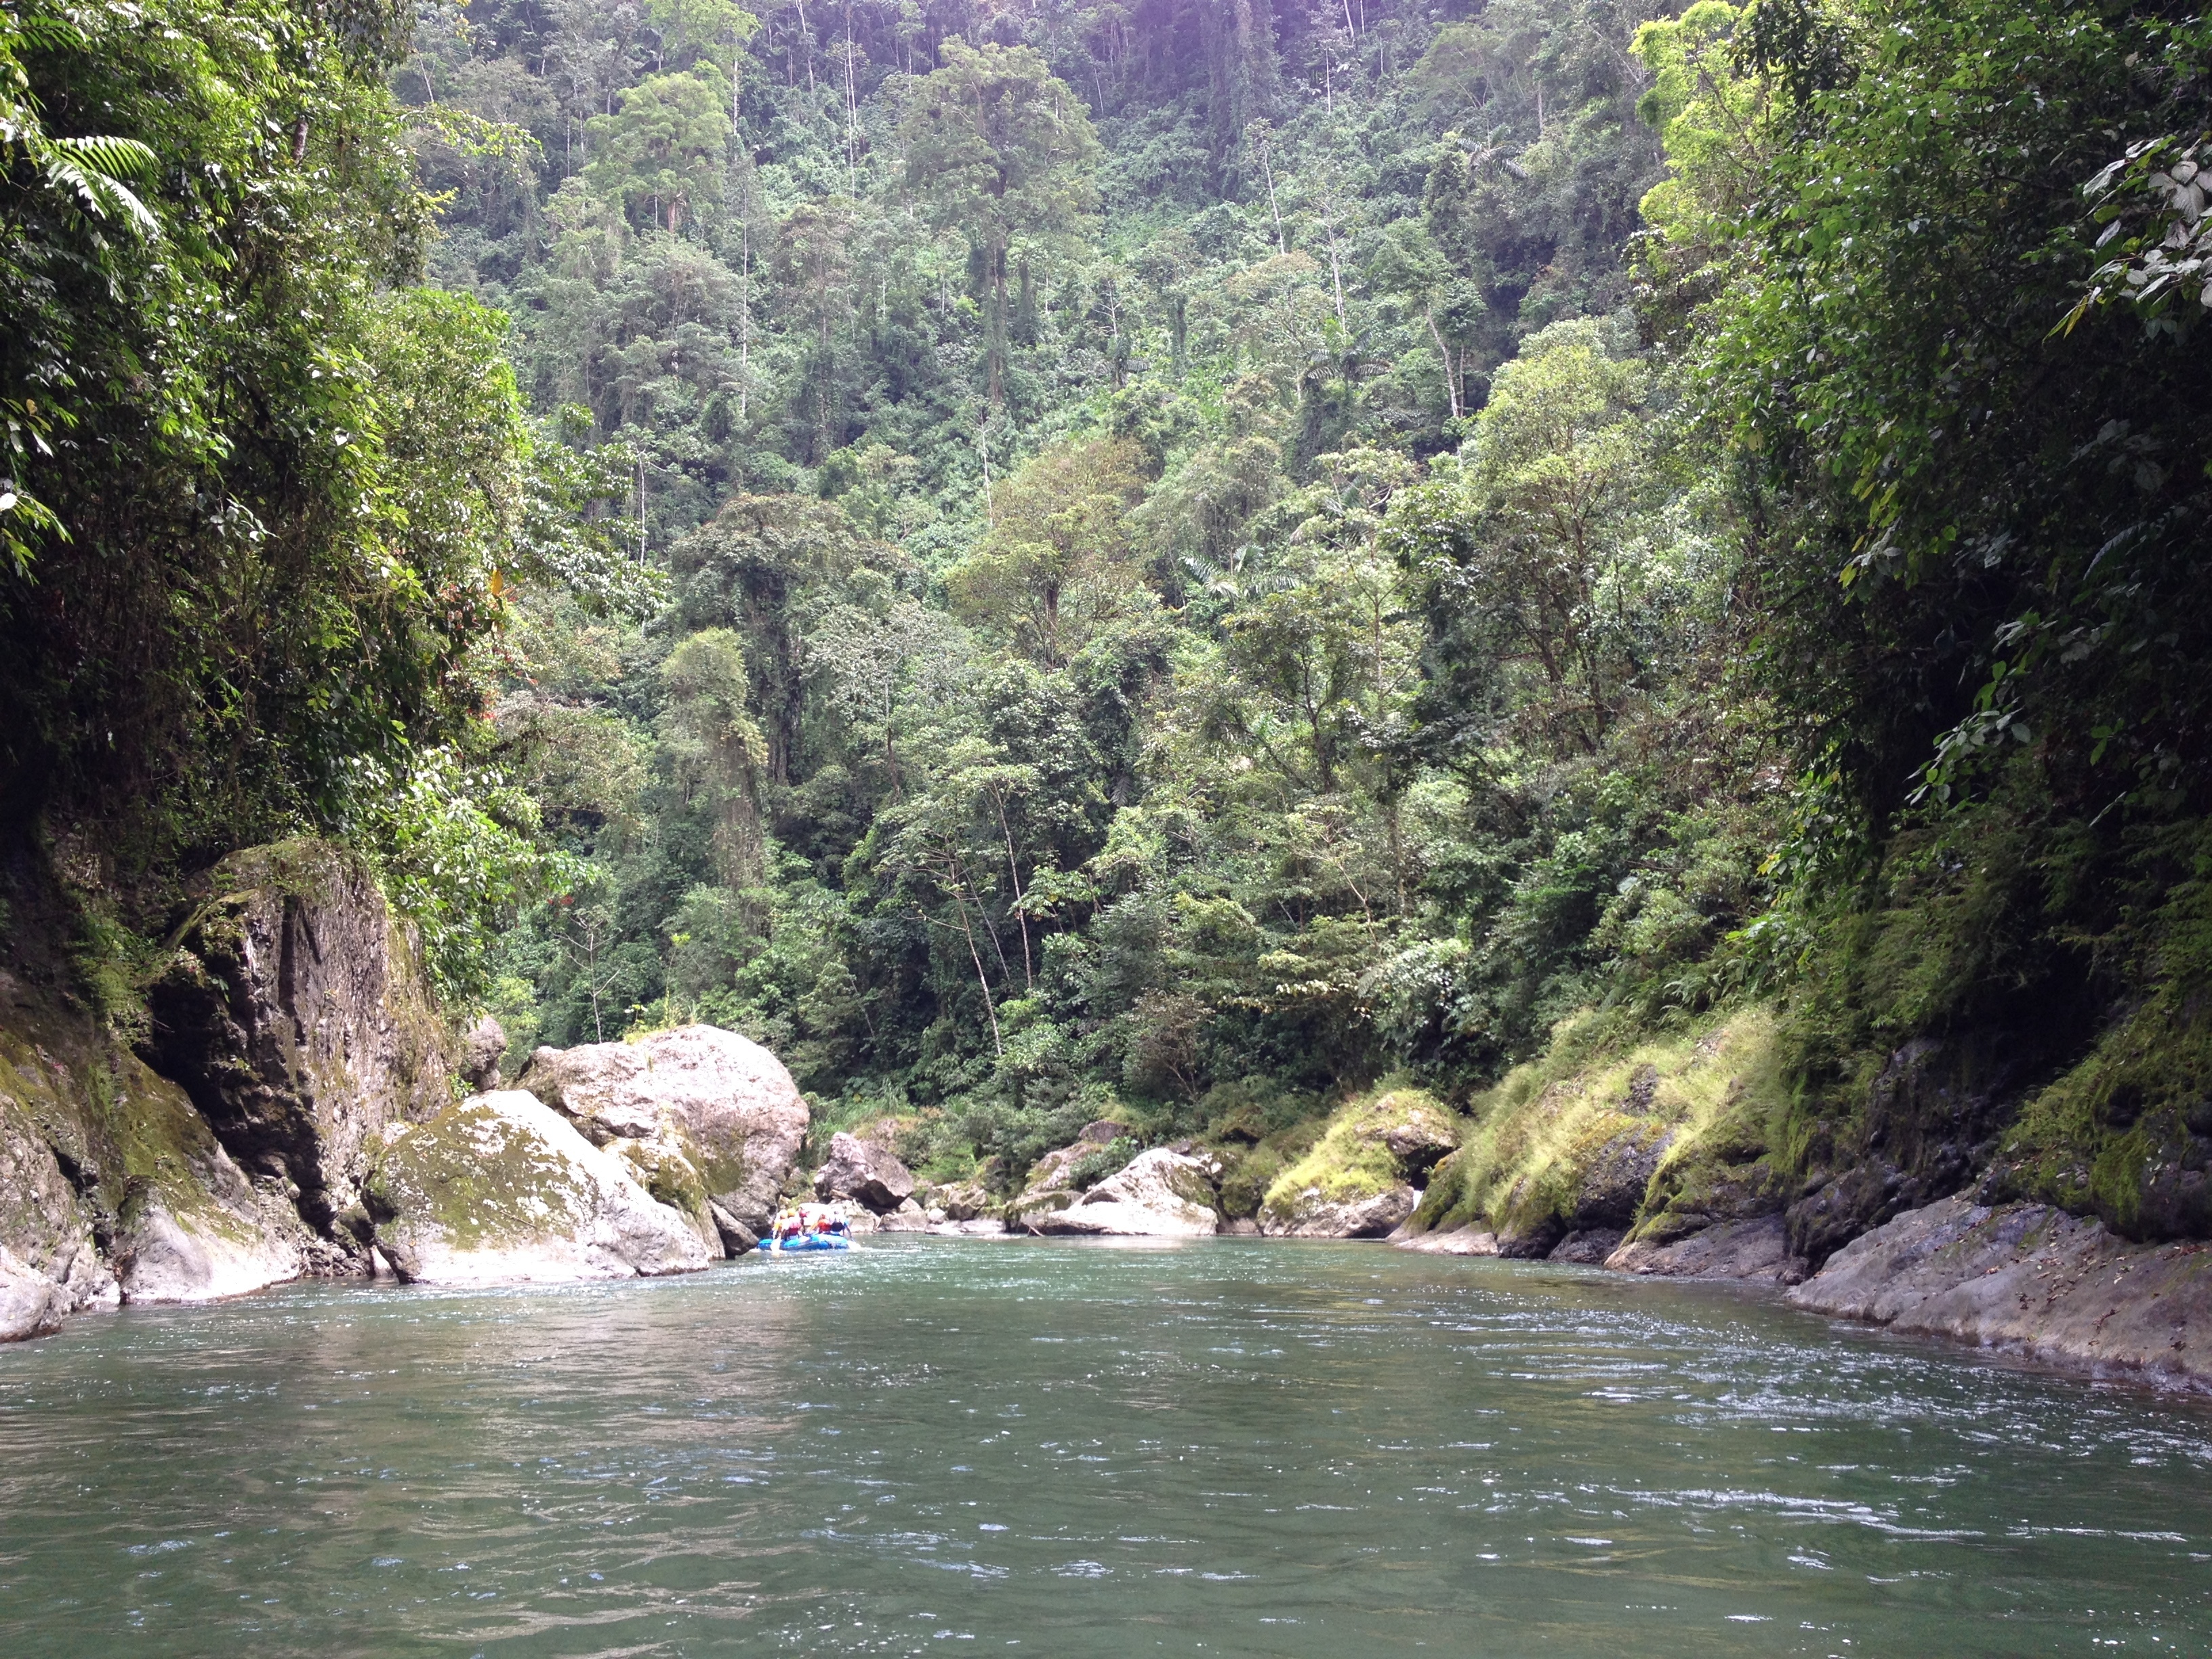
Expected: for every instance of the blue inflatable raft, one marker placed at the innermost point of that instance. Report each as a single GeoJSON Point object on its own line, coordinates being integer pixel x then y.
{"type": "Point", "coordinates": [798, 1232]}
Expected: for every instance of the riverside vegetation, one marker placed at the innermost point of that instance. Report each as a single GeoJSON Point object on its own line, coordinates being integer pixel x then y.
{"type": "Point", "coordinates": [1627, 581]}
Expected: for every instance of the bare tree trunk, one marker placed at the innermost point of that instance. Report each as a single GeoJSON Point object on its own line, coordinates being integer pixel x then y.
{"type": "Point", "coordinates": [1451, 375]}
{"type": "Point", "coordinates": [744, 305]}
{"type": "Point", "coordinates": [1014, 870]}
{"type": "Point", "coordinates": [982, 979]}
{"type": "Point", "coordinates": [852, 115]}
{"type": "Point", "coordinates": [1335, 272]}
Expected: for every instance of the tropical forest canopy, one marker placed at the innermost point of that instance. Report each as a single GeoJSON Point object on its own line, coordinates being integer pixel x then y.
{"type": "Point", "coordinates": [1162, 560]}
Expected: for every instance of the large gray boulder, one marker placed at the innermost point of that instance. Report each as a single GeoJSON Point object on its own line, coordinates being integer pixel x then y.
{"type": "Point", "coordinates": [205, 1254]}
{"type": "Point", "coordinates": [1310, 1213]}
{"type": "Point", "coordinates": [1419, 1140]}
{"type": "Point", "coordinates": [960, 1201]}
{"type": "Point", "coordinates": [295, 1014]}
{"type": "Point", "coordinates": [1161, 1193]}
{"type": "Point", "coordinates": [482, 1050]}
{"type": "Point", "coordinates": [1051, 1185]}
{"type": "Point", "coordinates": [909, 1218]}
{"type": "Point", "coordinates": [718, 1103]}
{"type": "Point", "coordinates": [865, 1171]}
{"type": "Point", "coordinates": [201, 1228]}
{"type": "Point", "coordinates": [499, 1188]}
{"type": "Point", "coordinates": [1756, 1250]}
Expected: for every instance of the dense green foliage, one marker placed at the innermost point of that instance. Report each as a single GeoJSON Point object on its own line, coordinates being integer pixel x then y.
{"type": "Point", "coordinates": [1173, 561]}
{"type": "Point", "coordinates": [260, 486]}
{"type": "Point", "coordinates": [1187, 591]}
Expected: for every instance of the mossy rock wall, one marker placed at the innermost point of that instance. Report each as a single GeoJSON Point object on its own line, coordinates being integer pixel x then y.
{"type": "Point", "coordinates": [2126, 1135]}
{"type": "Point", "coordinates": [1663, 1135]}
{"type": "Point", "coordinates": [110, 1182]}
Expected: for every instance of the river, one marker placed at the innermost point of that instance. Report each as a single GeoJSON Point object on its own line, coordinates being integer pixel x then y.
{"type": "Point", "coordinates": [962, 1446]}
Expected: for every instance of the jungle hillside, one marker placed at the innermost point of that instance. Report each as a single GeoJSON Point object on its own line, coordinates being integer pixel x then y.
{"type": "Point", "coordinates": [1182, 562]}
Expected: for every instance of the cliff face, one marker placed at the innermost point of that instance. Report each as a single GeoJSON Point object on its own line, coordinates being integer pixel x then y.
{"type": "Point", "coordinates": [205, 1129]}
{"type": "Point", "coordinates": [294, 1014]}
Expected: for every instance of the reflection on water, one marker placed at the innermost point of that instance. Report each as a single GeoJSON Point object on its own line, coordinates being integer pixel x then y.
{"type": "Point", "coordinates": [1064, 1449]}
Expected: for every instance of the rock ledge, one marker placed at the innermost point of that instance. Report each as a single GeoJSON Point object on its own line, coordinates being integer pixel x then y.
{"type": "Point", "coordinates": [2032, 1280]}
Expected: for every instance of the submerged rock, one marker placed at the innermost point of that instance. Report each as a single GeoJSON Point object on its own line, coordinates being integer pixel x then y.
{"type": "Point", "coordinates": [1756, 1250]}
{"type": "Point", "coordinates": [2032, 1279]}
{"type": "Point", "coordinates": [501, 1188]}
{"type": "Point", "coordinates": [866, 1172]}
{"type": "Point", "coordinates": [1162, 1194]}
{"type": "Point", "coordinates": [722, 1102]}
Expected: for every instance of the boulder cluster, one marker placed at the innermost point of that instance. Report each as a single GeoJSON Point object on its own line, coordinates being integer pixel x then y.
{"type": "Point", "coordinates": [655, 1156]}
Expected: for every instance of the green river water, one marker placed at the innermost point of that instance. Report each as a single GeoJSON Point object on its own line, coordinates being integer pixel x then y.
{"type": "Point", "coordinates": [955, 1446]}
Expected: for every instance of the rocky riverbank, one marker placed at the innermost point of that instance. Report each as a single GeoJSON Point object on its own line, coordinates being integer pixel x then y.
{"type": "Point", "coordinates": [282, 1098]}
{"type": "Point", "coordinates": [2020, 1278]}
{"type": "Point", "coordinates": [287, 1100]}
{"type": "Point", "coordinates": [2029, 1279]}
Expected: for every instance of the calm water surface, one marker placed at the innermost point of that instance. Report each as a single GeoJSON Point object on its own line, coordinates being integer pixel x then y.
{"type": "Point", "coordinates": [952, 1446]}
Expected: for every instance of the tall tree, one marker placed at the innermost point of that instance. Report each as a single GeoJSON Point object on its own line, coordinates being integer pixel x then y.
{"type": "Point", "coordinates": [665, 148]}
{"type": "Point", "coordinates": [1061, 556]}
{"type": "Point", "coordinates": [998, 149]}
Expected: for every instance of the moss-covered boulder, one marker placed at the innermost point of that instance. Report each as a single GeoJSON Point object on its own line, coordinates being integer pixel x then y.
{"type": "Point", "coordinates": [1655, 1138]}
{"type": "Point", "coordinates": [499, 1188]}
{"type": "Point", "coordinates": [1356, 1181]}
{"type": "Point", "coordinates": [720, 1101]}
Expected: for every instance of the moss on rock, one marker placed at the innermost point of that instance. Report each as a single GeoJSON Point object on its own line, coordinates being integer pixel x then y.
{"type": "Point", "coordinates": [501, 1187]}
{"type": "Point", "coordinates": [1354, 1158]}
{"type": "Point", "coordinates": [1665, 1134]}
{"type": "Point", "coordinates": [2126, 1134]}
{"type": "Point", "coordinates": [481, 1177]}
